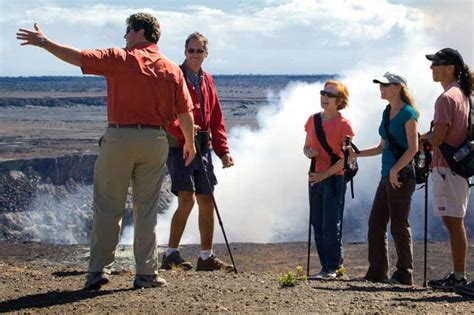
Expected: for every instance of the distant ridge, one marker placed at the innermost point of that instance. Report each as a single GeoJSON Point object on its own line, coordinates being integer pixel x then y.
{"type": "Point", "coordinates": [96, 83]}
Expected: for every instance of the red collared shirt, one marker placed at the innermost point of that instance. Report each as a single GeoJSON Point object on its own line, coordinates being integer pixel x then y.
{"type": "Point", "coordinates": [143, 86]}
{"type": "Point", "coordinates": [213, 118]}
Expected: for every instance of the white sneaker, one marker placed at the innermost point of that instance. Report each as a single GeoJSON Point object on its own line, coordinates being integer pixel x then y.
{"type": "Point", "coordinates": [319, 276]}
{"type": "Point", "coordinates": [330, 275]}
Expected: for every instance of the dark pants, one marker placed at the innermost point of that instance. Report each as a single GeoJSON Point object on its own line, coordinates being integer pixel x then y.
{"type": "Point", "coordinates": [327, 206]}
{"type": "Point", "coordinates": [191, 177]}
{"type": "Point", "coordinates": [394, 205]}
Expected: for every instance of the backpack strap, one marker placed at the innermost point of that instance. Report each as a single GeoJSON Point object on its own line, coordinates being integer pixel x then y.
{"type": "Point", "coordinates": [318, 128]}
{"type": "Point", "coordinates": [393, 145]}
{"type": "Point", "coordinates": [470, 133]}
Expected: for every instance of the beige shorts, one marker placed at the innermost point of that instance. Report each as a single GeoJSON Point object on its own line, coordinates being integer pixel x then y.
{"type": "Point", "coordinates": [451, 193]}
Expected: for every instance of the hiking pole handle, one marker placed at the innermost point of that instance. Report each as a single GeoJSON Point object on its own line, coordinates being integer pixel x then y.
{"type": "Point", "coordinates": [348, 142]}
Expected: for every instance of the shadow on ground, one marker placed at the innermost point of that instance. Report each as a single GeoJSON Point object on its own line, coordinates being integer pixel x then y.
{"type": "Point", "coordinates": [52, 298]}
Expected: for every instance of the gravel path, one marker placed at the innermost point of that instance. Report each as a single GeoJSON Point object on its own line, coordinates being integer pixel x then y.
{"type": "Point", "coordinates": [48, 279]}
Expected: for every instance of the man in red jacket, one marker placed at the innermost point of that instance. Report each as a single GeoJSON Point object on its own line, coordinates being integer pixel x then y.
{"type": "Point", "coordinates": [145, 92]}
{"type": "Point", "coordinates": [189, 183]}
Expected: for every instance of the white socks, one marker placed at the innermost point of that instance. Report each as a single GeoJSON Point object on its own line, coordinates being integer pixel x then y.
{"type": "Point", "coordinates": [205, 254]}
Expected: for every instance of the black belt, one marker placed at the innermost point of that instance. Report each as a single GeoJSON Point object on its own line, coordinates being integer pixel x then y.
{"type": "Point", "coordinates": [135, 126]}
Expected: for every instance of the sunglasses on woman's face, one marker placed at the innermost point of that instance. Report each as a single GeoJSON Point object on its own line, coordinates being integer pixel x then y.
{"type": "Point", "coordinates": [385, 84]}
{"type": "Point", "coordinates": [192, 51]}
{"type": "Point", "coordinates": [328, 94]}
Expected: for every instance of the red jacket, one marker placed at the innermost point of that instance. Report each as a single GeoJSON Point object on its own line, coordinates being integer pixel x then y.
{"type": "Point", "coordinates": [213, 118]}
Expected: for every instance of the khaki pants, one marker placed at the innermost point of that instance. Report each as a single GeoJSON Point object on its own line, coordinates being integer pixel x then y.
{"type": "Point", "coordinates": [127, 155]}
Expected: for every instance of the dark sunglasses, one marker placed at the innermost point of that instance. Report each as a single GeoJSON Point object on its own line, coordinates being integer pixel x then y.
{"type": "Point", "coordinates": [385, 84]}
{"type": "Point", "coordinates": [192, 51]}
{"type": "Point", "coordinates": [128, 29]}
{"type": "Point", "coordinates": [328, 94]}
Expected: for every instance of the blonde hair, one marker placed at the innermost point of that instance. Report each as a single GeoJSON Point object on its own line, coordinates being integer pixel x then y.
{"type": "Point", "coordinates": [406, 97]}
{"type": "Point", "coordinates": [342, 93]}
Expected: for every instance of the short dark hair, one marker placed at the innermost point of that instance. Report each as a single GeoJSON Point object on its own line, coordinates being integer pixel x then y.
{"type": "Point", "coordinates": [148, 23]}
{"type": "Point", "coordinates": [197, 36]}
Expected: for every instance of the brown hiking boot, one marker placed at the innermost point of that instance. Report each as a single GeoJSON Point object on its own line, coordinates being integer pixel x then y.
{"type": "Point", "coordinates": [213, 263]}
{"type": "Point", "coordinates": [175, 261]}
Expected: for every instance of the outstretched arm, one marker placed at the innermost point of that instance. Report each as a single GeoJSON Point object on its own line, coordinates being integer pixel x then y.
{"type": "Point", "coordinates": [37, 38]}
{"type": "Point", "coordinates": [373, 150]}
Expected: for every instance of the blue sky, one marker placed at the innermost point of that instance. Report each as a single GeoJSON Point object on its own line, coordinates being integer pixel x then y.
{"type": "Point", "coordinates": [268, 37]}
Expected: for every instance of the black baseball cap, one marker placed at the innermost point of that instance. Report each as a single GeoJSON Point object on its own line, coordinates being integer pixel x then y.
{"type": "Point", "coordinates": [446, 56]}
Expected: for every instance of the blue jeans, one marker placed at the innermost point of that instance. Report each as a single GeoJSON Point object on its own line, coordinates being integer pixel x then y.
{"type": "Point", "coordinates": [327, 206]}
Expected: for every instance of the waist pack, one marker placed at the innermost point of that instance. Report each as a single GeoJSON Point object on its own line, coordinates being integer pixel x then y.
{"type": "Point", "coordinates": [462, 166]}
{"type": "Point", "coordinates": [461, 159]}
{"type": "Point", "coordinates": [407, 172]}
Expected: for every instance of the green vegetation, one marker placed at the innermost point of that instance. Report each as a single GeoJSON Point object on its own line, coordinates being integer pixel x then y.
{"type": "Point", "coordinates": [291, 279]}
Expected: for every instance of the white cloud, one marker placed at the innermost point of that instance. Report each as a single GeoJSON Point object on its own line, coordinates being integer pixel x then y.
{"type": "Point", "coordinates": [296, 36]}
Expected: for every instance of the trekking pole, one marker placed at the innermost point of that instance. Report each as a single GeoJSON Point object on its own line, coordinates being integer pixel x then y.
{"type": "Point", "coordinates": [347, 143]}
{"type": "Point", "coordinates": [309, 243]}
{"type": "Point", "coordinates": [425, 238]}
{"type": "Point", "coordinates": [311, 168]}
{"type": "Point", "coordinates": [199, 155]}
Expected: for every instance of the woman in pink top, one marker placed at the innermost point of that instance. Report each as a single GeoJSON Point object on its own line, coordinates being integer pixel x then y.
{"type": "Point", "coordinates": [326, 180]}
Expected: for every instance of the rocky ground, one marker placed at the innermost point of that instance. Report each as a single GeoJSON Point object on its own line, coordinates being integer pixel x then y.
{"type": "Point", "coordinates": [39, 278]}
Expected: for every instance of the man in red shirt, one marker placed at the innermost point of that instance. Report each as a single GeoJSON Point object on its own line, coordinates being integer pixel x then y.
{"type": "Point", "coordinates": [189, 182]}
{"type": "Point", "coordinates": [145, 92]}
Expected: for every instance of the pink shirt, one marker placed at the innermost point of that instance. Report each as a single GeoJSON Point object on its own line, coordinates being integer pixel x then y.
{"type": "Point", "coordinates": [452, 108]}
{"type": "Point", "coordinates": [336, 130]}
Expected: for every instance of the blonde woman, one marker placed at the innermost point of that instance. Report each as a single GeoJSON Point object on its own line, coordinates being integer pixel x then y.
{"type": "Point", "coordinates": [398, 145]}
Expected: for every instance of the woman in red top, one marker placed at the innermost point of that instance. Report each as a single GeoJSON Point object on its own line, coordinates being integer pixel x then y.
{"type": "Point", "coordinates": [326, 181]}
